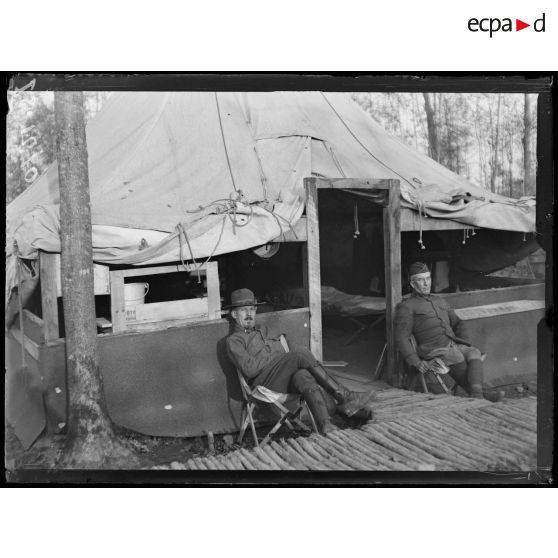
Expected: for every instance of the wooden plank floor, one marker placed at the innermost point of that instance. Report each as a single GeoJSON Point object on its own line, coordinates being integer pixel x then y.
{"type": "Point", "coordinates": [410, 431]}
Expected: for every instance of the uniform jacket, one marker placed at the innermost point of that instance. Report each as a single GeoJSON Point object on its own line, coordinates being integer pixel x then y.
{"type": "Point", "coordinates": [432, 323]}
{"type": "Point", "coordinates": [253, 350]}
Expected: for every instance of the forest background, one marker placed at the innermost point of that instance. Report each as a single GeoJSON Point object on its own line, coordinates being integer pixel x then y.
{"type": "Point", "coordinates": [489, 138]}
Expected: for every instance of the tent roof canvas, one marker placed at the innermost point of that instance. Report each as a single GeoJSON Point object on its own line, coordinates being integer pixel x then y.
{"type": "Point", "coordinates": [223, 171]}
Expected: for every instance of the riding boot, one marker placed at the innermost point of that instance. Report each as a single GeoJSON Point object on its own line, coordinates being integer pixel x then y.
{"type": "Point", "coordinates": [350, 402]}
{"type": "Point", "coordinates": [318, 407]}
{"type": "Point", "coordinates": [458, 372]}
{"type": "Point", "coordinates": [475, 379]}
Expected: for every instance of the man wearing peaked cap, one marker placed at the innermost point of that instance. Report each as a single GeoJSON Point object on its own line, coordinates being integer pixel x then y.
{"type": "Point", "coordinates": [260, 355]}
{"type": "Point", "coordinates": [439, 332]}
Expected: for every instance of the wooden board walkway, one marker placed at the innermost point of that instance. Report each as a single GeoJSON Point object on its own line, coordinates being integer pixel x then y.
{"type": "Point", "coordinates": [410, 431]}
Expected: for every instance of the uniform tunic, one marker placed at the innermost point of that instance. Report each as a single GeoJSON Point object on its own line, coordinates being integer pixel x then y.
{"type": "Point", "coordinates": [433, 324]}
{"type": "Point", "coordinates": [261, 357]}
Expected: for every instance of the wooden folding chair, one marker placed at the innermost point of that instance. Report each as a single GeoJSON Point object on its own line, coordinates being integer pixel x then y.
{"type": "Point", "coordinates": [261, 394]}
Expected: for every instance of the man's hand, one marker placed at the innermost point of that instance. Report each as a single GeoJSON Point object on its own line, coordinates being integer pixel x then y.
{"type": "Point", "coordinates": [422, 367]}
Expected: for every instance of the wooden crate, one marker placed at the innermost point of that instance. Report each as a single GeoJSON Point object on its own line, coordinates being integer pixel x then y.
{"type": "Point", "coordinates": [161, 315]}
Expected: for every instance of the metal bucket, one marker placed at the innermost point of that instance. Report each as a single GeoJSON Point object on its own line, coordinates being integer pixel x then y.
{"type": "Point", "coordinates": [134, 293]}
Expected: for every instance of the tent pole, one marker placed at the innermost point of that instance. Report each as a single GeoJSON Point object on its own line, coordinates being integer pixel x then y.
{"type": "Point", "coordinates": [312, 264]}
{"type": "Point", "coordinates": [392, 270]}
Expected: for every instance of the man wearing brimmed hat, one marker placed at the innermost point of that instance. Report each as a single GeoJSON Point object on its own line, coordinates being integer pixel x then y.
{"type": "Point", "coordinates": [439, 333]}
{"type": "Point", "coordinates": [261, 357]}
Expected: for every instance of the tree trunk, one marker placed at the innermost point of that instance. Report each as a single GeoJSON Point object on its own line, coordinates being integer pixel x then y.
{"type": "Point", "coordinates": [529, 146]}
{"type": "Point", "coordinates": [91, 442]}
{"type": "Point", "coordinates": [495, 148]}
{"type": "Point", "coordinates": [433, 140]}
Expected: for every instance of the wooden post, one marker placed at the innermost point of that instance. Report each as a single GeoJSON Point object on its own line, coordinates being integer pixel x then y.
{"type": "Point", "coordinates": [49, 301]}
{"type": "Point", "coordinates": [392, 265]}
{"type": "Point", "coordinates": [305, 288]}
{"type": "Point", "coordinates": [312, 275]}
{"type": "Point", "coordinates": [213, 293]}
{"type": "Point", "coordinates": [117, 302]}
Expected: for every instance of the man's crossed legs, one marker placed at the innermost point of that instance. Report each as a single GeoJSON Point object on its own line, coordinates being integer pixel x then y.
{"type": "Point", "coordinates": [307, 377]}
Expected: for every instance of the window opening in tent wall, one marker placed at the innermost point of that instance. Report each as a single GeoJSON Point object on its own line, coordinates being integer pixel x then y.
{"type": "Point", "coordinates": [182, 287]}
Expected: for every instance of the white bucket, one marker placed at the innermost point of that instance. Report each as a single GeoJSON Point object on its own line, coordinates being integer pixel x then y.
{"type": "Point", "coordinates": [134, 293]}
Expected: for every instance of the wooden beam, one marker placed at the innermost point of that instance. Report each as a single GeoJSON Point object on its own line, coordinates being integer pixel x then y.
{"type": "Point", "coordinates": [213, 292]}
{"type": "Point", "coordinates": [354, 183]}
{"type": "Point", "coordinates": [49, 301]}
{"type": "Point", "coordinates": [33, 326]}
{"type": "Point", "coordinates": [31, 347]}
{"type": "Point", "coordinates": [313, 267]}
{"type": "Point", "coordinates": [117, 302]}
{"type": "Point", "coordinates": [392, 269]}
{"type": "Point", "coordinates": [158, 270]}
{"type": "Point", "coordinates": [305, 285]}
{"type": "Point", "coordinates": [411, 221]}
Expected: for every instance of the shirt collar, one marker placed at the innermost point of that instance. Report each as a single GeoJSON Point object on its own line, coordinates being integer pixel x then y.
{"type": "Point", "coordinates": [419, 295]}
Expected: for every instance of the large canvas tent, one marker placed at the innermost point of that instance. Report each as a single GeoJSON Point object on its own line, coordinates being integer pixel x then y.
{"type": "Point", "coordinates": [184, 176]}
{"type": "Point", "coordinates": [191, 175]}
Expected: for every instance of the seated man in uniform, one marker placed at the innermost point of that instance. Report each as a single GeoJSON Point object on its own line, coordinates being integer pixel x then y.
{"type": "Point", "coordinates": [260, 356]}
{"type": "Point", "coordinates": [438, 332]}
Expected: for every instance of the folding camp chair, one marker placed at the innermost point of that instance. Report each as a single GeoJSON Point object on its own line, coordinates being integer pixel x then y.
{"type": "Point", "coordinates": [434, 368]}
{"type": "Point", "coordinates": [261, 394]}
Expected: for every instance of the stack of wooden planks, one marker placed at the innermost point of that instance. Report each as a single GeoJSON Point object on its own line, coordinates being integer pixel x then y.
{"type": "Point", "coordinates": [410, 431]}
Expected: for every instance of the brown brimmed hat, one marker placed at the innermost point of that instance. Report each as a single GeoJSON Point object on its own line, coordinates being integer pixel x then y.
{"type": "Point", "coordinates": [242, 297]}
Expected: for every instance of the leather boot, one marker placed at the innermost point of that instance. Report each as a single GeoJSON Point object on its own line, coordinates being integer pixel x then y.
{"type": "Point", "coordinates": [475, 378]}
{"type": "Point", "coordinates": [458, 372]}
{"type": "Point", "coordinates": [318, 407]}
{"type": "Point", "coordinates": [349, 401]}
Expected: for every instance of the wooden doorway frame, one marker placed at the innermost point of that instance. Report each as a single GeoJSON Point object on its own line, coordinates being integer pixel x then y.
{"type": "Point", "coordinates": [392, 258]}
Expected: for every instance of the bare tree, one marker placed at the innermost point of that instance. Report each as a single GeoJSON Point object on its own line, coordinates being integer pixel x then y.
{"type": "Point", "coordinates": [529, 145]}
{"type": "Point", "coordinates": [91, 442]}
{"type": "Point", "coordinates": [433, 140]}
{"type": "Point", "coordinates": [495, 128]}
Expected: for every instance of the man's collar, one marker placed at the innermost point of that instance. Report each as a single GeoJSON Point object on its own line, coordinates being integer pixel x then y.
{"type": "Point", "coordinates": [420, 295]}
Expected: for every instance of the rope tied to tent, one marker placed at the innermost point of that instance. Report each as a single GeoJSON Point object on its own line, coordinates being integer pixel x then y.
{"type": "Point", "coordinates": [182, 232]}
{"type": "Point", "coordinates": [357, 232]}
{"type": "Point", "coordinates": [421, 206]}
{"type": "Point", "coordinates": [228, 208]}
{"type": "Point", "coordinates": [361, 143]}
{"type": "Point", "coordinates": [224, 141]}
